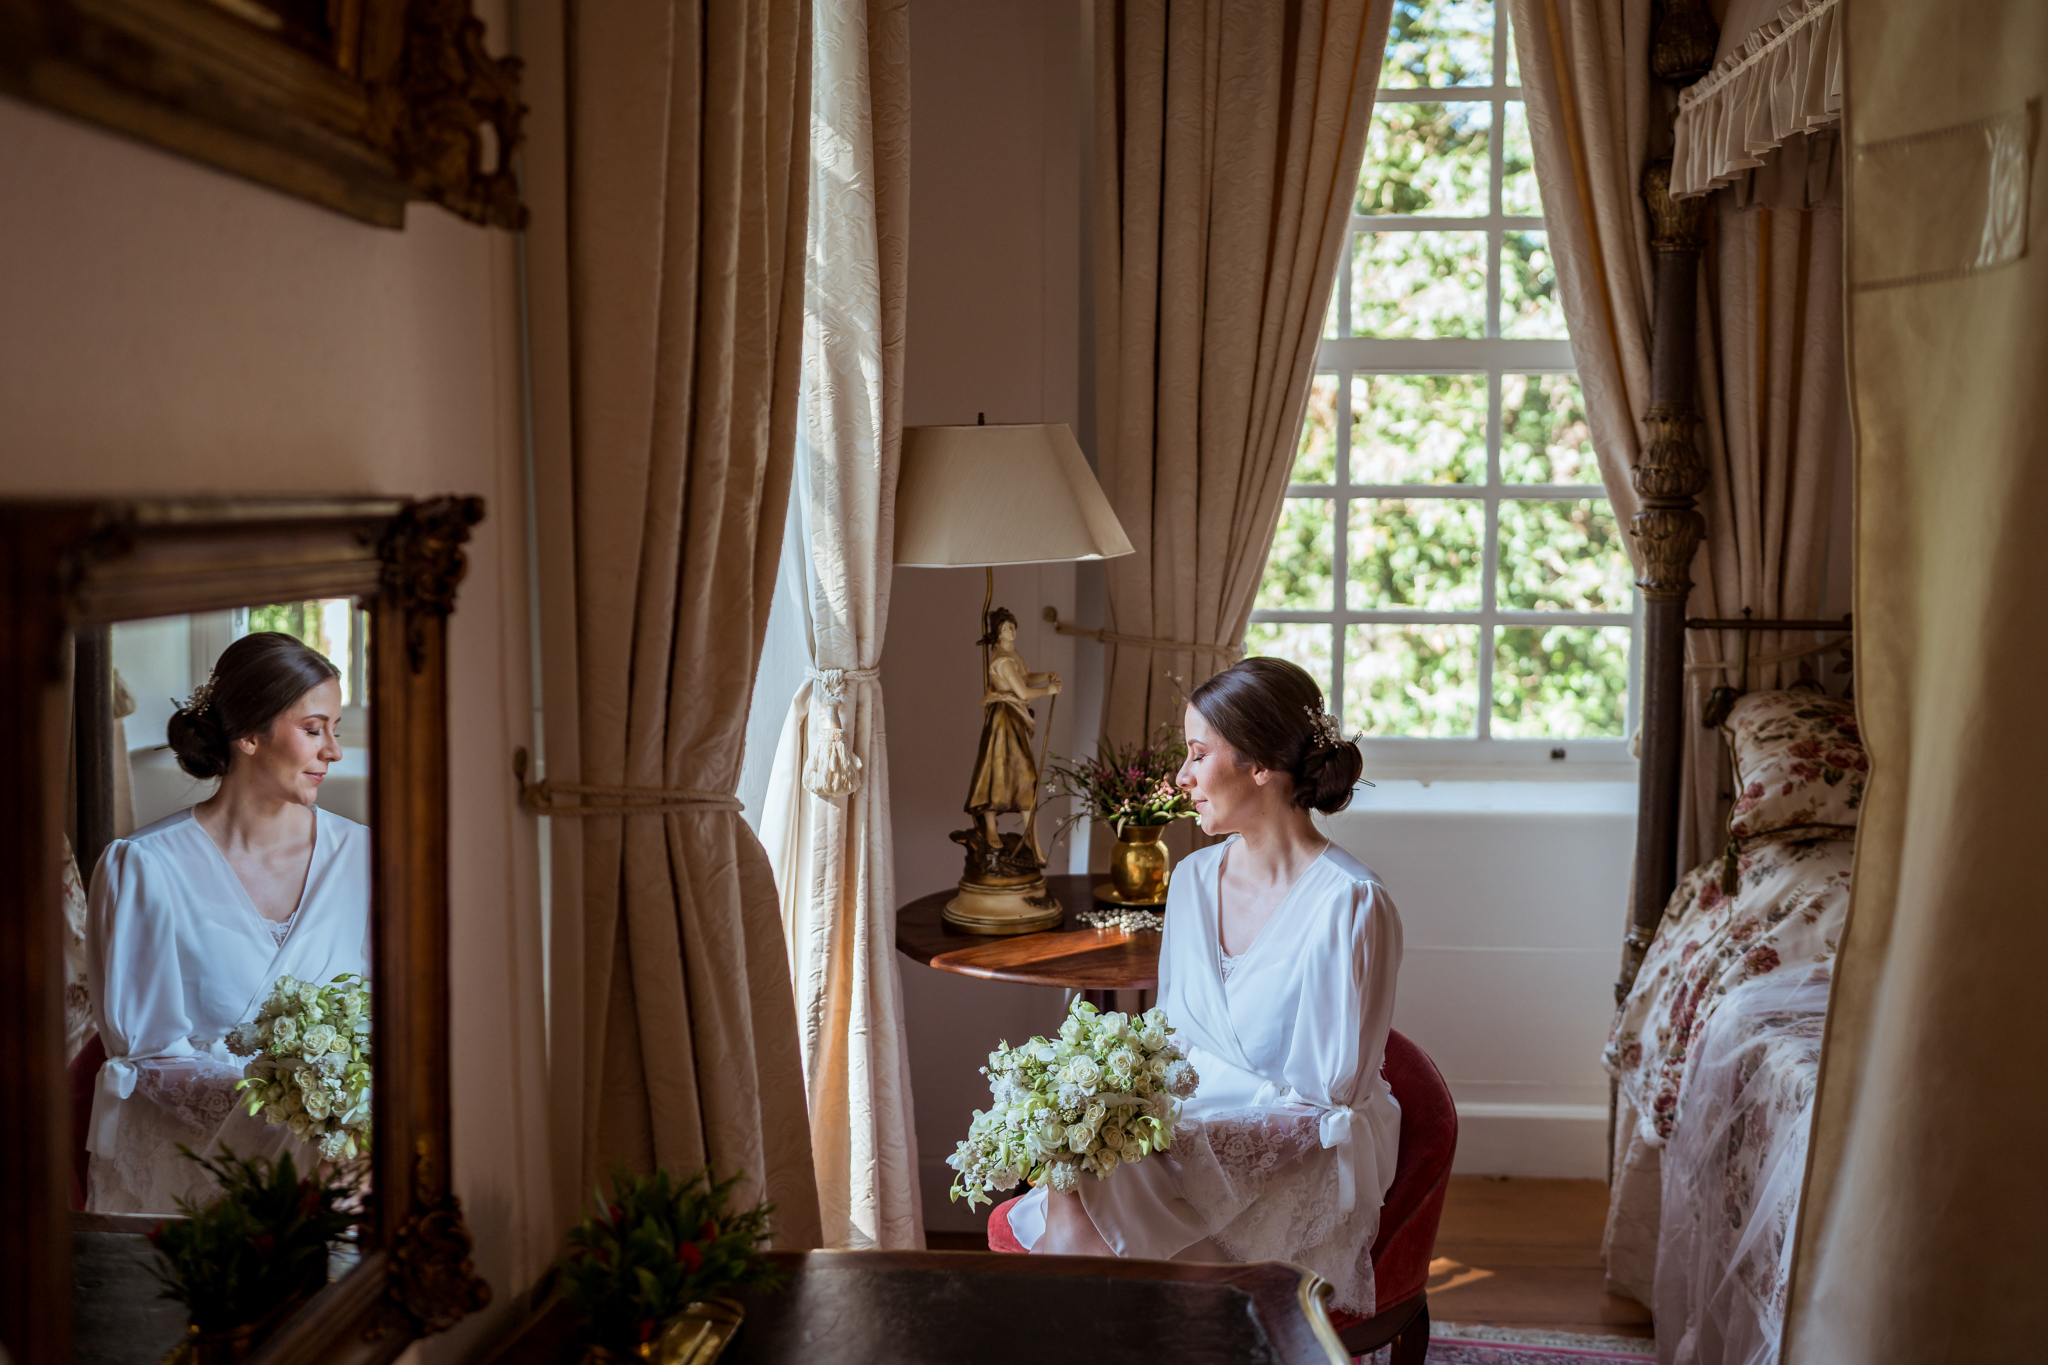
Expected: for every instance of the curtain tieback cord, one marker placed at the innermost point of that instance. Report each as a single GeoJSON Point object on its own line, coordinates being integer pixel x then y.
{"type": "Point", "coordinates": [568, 798]}
{"type": "Point", "coordinates": [832, 769]}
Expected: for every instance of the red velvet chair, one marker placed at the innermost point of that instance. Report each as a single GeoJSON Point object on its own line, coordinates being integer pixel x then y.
{"type": "Point", "coordinates": [1408, 1219]}
{"type": "Point", "coordinates": [84, 1075]}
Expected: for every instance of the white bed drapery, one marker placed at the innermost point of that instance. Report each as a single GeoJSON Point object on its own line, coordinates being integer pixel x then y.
{"type": "Point", "coordinates": [826, 818]}
{"type": "Point", "coordinates": [1777, 74]}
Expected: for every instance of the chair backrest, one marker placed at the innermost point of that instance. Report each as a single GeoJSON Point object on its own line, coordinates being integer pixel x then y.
{"type": "Point", "coordinates": [1422, 1172]}
{"type": "Point", "coordinates": [84, 1076]}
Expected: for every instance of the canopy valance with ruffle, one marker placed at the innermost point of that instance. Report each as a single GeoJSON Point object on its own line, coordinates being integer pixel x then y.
{"type": "Point", "coordinates": [1770, 82]}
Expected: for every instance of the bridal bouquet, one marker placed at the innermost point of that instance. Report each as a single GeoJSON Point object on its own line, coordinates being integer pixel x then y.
{"type": "Point", "coordinates": [1108, 1090]}
{"type": "Point", "coordinates": [309, 1063]}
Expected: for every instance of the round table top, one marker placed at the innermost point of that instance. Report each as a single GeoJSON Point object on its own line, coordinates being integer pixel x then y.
{"type": "Point", "coordinates": [1071, 956]}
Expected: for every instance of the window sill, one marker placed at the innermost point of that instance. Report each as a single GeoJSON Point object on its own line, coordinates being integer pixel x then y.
{"type": "Point", "coordinates": [1499, 794]}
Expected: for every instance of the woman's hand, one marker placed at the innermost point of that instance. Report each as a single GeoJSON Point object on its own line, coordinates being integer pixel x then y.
{"type": "Point", "coordinates": [1069, 1231]}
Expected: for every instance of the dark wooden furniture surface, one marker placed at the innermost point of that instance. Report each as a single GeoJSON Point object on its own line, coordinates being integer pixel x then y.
{"type": "Point", "coordinates": [943, 1307]}
{"type": "Point", "coordinates": [1095, 961]}
{"type": "Point", "coordinates": [69, 566]}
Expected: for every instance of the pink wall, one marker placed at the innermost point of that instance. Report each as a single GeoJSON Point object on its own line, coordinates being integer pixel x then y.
{"type": "Point", "coordinates": [165, 328]}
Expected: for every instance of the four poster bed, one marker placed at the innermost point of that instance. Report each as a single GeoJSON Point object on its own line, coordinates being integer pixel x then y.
{"type": "Point", "coordinates": [1722, 997]}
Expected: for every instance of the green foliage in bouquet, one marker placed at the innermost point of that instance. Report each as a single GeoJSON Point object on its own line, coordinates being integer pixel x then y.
{"type": "Point", "coordinates": [309, 1063]}
{"type": "Point", "coordinates": [259, 1244]}
{"type": "Point", "coordinates": [657, 1246]}
{"type": "Point", "coordinates": [1129, 785]}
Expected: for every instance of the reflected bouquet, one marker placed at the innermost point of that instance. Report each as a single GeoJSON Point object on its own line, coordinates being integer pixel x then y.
{"type": "Point", "coordinates": [309, 1063]}
{"type": "Point", "coordinates": [1106, 1091]}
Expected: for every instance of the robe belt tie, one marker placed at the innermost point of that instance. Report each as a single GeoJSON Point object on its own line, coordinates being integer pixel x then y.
{"type": "Point", "coordinates": [832, 769]}
{"type": "Point", "coordinates": [1333, 1130]}
{"type": "Point", "coordinates": [546, 798]}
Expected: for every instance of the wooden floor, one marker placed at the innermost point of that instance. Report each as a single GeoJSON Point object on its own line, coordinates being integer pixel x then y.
{"type": "Point", "coordinates": [1511, 1252]}
{"type": "Point", "coordinates": [1515, 1252]}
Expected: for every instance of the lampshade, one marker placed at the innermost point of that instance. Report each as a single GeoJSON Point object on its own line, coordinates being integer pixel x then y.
{"type": "Point", "coordinates": [1000, 495]}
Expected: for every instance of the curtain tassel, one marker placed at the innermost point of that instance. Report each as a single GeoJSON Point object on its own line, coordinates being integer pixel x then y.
{"type": "Point", "coordinates": [833, 769]}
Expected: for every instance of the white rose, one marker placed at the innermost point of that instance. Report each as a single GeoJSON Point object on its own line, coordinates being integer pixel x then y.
{"type": "Point", "coordinates": [318, 1104]}
{"type": "Point", "coordinates": [284, 1031]}
{"type": "Point", "coordinates": [275, 1113]}
{"type": "Point", "coordinates": [1153, 1036]}
{"type": "Point", "coordinates": [318, 1039]}
{"type": "Point", "coordinates": [1112, 1134]}
{"type": "Point", "coordinates": [1084, 1072]}
{"type": "Point", "coordinates": [1133, 1149]}
{"type": "Point", "coordinates": [299, 1124]}
{"type": "Point", "coordinates": [309, 994]}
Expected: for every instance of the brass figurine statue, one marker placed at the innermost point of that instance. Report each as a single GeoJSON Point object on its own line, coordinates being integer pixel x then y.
{"type": "Point", "coordinates": [1002, 890]}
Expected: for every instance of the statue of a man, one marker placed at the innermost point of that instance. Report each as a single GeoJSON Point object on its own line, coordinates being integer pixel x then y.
{"type": "Point", "coordinates": [1005, 773]}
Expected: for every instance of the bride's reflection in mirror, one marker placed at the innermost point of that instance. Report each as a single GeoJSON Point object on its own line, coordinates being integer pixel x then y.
{"type": "Point", "coordinates": [220, 996]}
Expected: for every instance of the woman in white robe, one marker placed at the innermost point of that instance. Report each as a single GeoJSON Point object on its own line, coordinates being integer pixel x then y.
{"type": "Point", "coordinates": [195, 917]}
{"type": "Point", "coordinates": [1277, 973]}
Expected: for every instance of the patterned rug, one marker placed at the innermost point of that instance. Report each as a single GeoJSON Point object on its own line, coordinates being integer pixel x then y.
{"type": "Point", "coordinates": [1453, 1343]}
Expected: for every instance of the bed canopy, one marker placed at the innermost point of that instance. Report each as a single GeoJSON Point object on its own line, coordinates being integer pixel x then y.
{"type": "Point", "coordinates": [1776, 81]}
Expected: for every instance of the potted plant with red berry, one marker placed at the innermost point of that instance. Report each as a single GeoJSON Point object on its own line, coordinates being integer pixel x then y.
{"type": "Point", "coordinates": [652, 1269]}
{"type": "Point", "coordinates": [242, 1262]}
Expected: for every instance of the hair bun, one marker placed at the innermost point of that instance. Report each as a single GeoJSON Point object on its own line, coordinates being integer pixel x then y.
{"type": "Point", "coordinates": [1326, 777]}
{"type": "Point", "coordinates": [199, 741]}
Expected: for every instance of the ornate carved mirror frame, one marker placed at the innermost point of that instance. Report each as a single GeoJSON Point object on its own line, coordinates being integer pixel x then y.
{"type": "Point", "coordinates": [359, 105]}
{"type": "Point", "coordinates": [66, 565]}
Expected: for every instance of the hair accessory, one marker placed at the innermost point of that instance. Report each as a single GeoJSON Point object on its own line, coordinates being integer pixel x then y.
{"type": "Point", "coordinates": [1323, 726]}
{"type": "Point", "coordinates": [201, 700]}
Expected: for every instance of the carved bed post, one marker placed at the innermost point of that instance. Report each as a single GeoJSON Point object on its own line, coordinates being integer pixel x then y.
{"type": "Point", "coordinates": [1670, 475]}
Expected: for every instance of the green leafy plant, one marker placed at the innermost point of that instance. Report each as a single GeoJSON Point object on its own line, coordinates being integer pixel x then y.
{"type": "Point", "coordinates": [1131, 785]}
{"type": "Point", "coordinates": [234, 1259]}
{"type": "Point", "coordinates": [657, 1246]}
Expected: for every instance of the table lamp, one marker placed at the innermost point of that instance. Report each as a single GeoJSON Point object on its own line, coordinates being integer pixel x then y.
{"type": "Point", "coordinates": [988, 495]}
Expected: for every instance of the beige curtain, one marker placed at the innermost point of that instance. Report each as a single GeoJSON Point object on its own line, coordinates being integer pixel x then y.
{"type": "Point", "coordinates": [1585, 68]}
{"type": "Point", "coordinates": [688, 176]}
{"type": "Point", "coordinates": [1921, 1226]}
{"type": "Point", "coordinates": [826, 820]}
{"type": "Point", "coordinates": [1227, 141]}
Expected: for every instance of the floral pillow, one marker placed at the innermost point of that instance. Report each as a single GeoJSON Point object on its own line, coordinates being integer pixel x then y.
{"type": "Point", "coordinates": [1799, 763]}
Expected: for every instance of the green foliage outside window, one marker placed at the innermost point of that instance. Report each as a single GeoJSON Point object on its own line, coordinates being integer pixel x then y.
{"type": "Point", "coordinates": [1439, 43]}
{"type": "Point", "coordinates": [1560, 682]}
{"type": "Point", "coordinates": [1299, 568]}
{"type": "Point", "coordinates": [1368, 432]}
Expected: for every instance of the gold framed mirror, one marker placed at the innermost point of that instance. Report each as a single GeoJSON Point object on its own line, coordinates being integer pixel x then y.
{"type": "Point", "coordinates": [354, 593]}
{"type": "Point", "coordinates": [359, 105]}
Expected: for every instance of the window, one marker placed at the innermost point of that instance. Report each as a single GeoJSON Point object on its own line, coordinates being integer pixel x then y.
{"type": "Point", "coordinates": [332, 625]}
{"type": "Point", "coordinates": [1447, 563]}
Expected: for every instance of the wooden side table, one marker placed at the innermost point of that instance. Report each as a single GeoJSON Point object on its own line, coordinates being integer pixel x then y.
{"type": "Point", "coordinates": [1096, 962]}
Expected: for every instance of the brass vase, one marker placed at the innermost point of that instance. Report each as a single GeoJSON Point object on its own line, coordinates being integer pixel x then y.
{"type": "Point", "coordinates": [696, 1336]}
{"type": "Point", "coordinates": [1139, 866]}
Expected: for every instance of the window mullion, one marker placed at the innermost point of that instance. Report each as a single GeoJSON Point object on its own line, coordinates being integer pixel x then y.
{"type": "Point", "coordinates": [1340, 542]}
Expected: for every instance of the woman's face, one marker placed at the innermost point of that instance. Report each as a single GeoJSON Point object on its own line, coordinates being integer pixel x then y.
{"type": "Point", "coordinates": [1006, 635]}
{"type": "Point", "coordinates": [290, 761]}
{"type": "Point", "coordinates": [1228, 791]}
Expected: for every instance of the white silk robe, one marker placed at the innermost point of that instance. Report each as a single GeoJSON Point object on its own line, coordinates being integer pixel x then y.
{"type": "Point", "coordinates": [1287, 1147]}
{"type": "Point", "coordinates": [177, 956]}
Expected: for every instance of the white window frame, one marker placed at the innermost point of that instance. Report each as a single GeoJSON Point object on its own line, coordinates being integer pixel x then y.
{"type": "Point", "coordinates": [1342, 357]}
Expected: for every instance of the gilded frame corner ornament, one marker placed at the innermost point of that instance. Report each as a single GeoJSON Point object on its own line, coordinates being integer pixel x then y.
{"type": "Point", "coordinates": [71, 564]}
{"type": "Point", "coordinates": [389, 101]}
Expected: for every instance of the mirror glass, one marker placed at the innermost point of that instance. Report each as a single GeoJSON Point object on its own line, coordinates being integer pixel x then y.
{"type": "Point", "coordinates": [217, 961]}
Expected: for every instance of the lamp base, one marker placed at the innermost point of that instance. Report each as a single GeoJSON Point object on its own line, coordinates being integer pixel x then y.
{"type": "Point", "coordinates": [1002, 906]}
